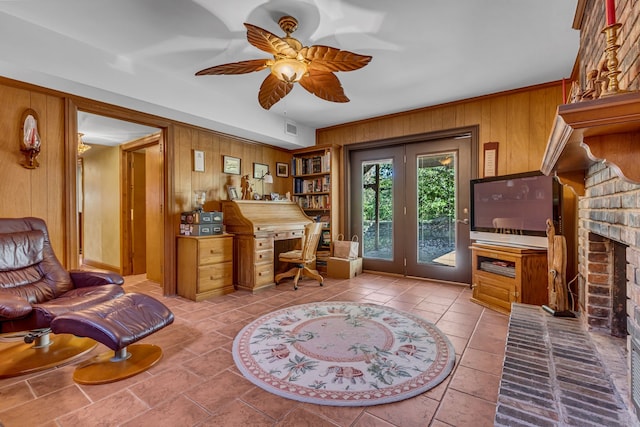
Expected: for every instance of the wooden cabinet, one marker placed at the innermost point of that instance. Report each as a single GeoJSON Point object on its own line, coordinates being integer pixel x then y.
{"type": "Point", "coordinates": [316, 180]}
{"type": "Point", "coordinates": [205, 266]}
{"type": "Point", "coordinates": [503, 274]}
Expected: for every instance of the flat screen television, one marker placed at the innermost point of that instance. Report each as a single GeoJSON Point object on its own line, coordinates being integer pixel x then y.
{"type": "Point", "coordinates": [513, 209]}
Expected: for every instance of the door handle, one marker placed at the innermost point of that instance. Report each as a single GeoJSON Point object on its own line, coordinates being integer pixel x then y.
{"type": "Point", "coordinates": [463, 221]}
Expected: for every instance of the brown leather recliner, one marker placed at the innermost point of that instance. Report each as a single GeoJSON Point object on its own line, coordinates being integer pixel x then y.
{"type": "Point", "coordinates": [35, 288]}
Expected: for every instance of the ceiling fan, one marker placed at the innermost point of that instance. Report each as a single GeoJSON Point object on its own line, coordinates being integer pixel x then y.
{"type": "Point", "coordinates": [311, 66]}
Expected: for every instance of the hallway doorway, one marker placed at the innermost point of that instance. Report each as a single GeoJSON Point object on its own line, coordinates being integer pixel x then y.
{"type": "Point", "coordinates": [120, 191]}
{"type": "Point", "coordinates": [142, 237]}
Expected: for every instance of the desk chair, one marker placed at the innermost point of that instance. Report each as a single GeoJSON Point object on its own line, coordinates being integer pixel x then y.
{"type": "Point", "coordinates": [303, 257]}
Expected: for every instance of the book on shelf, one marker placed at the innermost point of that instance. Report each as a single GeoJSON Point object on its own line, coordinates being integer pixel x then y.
{"type": "Point", "coordinates": [325, 238]}
{"type": "Point", "coordinates": [315, 185]}
{"type": "Point", "coordinates": [325, 220]}
{"type": "Point", "coordinates": [313, 202]}
{"type": "Point", "coordinates": [312, 164]}
{"type": "Point", "coordinates": [322, 255]}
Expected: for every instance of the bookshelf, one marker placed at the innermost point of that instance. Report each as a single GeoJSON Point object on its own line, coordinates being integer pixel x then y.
{"type": "Point", "coordinates": [315, 171]}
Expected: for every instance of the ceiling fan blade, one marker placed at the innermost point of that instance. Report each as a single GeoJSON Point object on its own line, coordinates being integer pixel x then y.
{"type": "Point", "coordinates": [324, 85]}
{"type": "Point", "coordinates": [269, 42]}
{"type": "Point", "coordinates": [242, 67]}
{"type": "Point", "coordinates": [326, 58]}
{"type": "Point", "coordinates": [273, 90]}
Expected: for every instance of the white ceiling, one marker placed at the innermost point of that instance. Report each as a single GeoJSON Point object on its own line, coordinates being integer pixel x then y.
{"type": "Point", "coordinates": [143, 54]}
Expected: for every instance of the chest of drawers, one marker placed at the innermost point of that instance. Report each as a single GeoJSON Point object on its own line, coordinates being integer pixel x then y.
{"type": "Point", "coordinates": [205, 266]}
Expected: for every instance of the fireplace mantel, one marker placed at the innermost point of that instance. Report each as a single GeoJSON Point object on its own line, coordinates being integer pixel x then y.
{"type": "Point", "coordinates": [603, 130]}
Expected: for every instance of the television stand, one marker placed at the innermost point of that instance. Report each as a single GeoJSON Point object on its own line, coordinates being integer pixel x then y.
{"type": "Point", "coordinates": [502, 275]}
{"type": "Point", "coordinates": [507, 244]}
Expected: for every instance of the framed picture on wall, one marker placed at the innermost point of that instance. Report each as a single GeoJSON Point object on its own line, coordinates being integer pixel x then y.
{"type": "Point", "coordinates": [260, 170]}
{"type": "Point", "coordinates": [490, 159]}
{"type": "Point", "coordinates": [282, 170]}
{"type": "Point", "coordinates": [231, 165]}
{"type": "Point", "coordinates": [198, 161]}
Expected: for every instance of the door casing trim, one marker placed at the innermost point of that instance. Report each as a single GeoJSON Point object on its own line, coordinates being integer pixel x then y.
{"type": "Point", "coordinates": [473, 131]}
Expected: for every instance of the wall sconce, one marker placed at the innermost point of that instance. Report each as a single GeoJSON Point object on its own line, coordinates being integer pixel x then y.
{"type": "Point", "coordinates": [30, 143]}
{"type": "Point", "coordinates": [82, 147]}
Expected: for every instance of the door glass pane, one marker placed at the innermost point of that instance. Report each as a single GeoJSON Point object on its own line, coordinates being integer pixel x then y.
{"type": "Point", "coordinates": [377, 209]}
{"type": "Point", "coordinates": [436, 201]}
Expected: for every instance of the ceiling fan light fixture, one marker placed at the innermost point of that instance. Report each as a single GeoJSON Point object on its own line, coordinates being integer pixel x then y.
{"type": "Point", "coordinates": [311, 66]}
{"type": "Point", "coordinates": [289, 70]}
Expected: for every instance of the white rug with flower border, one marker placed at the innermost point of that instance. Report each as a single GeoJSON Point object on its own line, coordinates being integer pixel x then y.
{"type": "Point", "coordinates": [343, 353]}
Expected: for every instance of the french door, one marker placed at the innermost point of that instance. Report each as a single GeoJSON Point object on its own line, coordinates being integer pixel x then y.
{"type": "Point", "coordinates": [409, 206]}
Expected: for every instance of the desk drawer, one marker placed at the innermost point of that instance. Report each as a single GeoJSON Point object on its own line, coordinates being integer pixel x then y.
{"type": "Point", "coordinates": [296, 234]}
{"type": "Point", "coordinates": [215, 250]}
{"type": "Point", "coordinates": [215, 276]}
{"type": "Point", "coordinates": [264, 256]}
{"type": "Point", "coordinates": [263, 243]}
{"type": "Point", "coordinates": [285, 235]}
{"type": "Point", "coordinates": [264, 274]}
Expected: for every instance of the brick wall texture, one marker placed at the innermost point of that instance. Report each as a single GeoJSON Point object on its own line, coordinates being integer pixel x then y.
{"type": "Point", "coordinates": [609, 210]}
{"type": "Point", "coordinates": [592, 41]}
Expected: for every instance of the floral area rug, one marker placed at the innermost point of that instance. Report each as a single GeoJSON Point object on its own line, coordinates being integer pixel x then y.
{"type": "Point", "coordinates": [343, 354]}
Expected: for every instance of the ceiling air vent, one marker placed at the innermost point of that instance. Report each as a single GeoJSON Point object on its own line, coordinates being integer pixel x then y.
{"type": "Point", "coordinates": [290, 128]}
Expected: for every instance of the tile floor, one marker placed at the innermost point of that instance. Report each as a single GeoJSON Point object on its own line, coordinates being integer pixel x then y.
{"type": "Point", "coordinates": [197, 384]}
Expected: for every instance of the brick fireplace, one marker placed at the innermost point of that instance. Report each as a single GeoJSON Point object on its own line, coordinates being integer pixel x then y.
{"type": "Point", "coordinates": [609, 219]}
{"type": "Point", "coordinates": [609, 261]}
{"type": "Point", "coordinates": [594, 147]}
{"type": "Point", "coordinates": [598, 141]}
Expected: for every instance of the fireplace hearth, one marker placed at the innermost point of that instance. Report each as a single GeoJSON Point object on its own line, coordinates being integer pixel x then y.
{"type": "Point", "coordinates": [554, 374]}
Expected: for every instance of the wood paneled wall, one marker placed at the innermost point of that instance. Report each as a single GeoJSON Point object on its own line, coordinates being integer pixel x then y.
{"type": "Point", "coordinates": [520, 121]}
{"type": "Point", "coordinates": [212, 180]}
{"type": "Point", "coordinates": [33, 192]}
{"type": "Point", "coordinates": [43, 192]}
{"type": "Point", "coordinates": [185, 139]}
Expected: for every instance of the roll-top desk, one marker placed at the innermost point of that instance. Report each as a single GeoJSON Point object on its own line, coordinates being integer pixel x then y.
{"type": "Point", "coordinates": [261, 230]}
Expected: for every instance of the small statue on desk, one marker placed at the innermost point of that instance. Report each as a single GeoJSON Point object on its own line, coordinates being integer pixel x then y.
{"type": "Point", "coordinates": [246, 188]}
